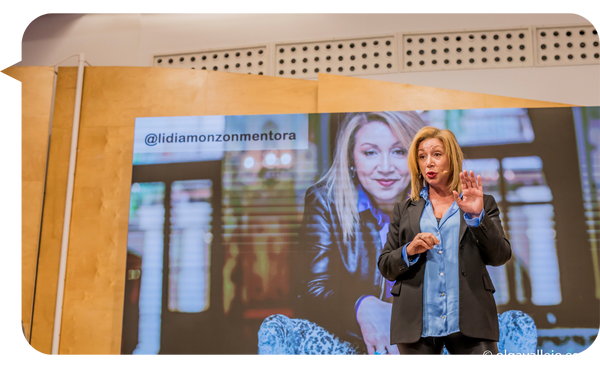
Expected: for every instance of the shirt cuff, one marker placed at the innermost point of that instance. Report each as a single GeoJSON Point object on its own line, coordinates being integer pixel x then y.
{"type": "Point", "coordinates": [474, 222]}
{"type": "Point", "coordinates": [405, 256]}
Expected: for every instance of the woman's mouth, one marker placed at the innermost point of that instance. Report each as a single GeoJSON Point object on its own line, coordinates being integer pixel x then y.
{"type": "Point", "coordinates": [386, 182]}
{"type": "Point", "coordinates": [431, 174]}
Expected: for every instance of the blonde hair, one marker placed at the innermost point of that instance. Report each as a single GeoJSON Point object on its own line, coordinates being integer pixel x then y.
{"type": "Point", "coordinates": [453, 153]}
{"type": "Point", "coordinates": [341, 188]}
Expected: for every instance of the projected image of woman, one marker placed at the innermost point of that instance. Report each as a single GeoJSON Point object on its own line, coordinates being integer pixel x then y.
{"type": "Point", "coordinates": [345, 224]}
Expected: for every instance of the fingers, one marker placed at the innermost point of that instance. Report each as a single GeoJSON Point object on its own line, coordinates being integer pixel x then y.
{"type": "Point", "coordinates": [422, 243]}
{"type": "Point", "coordinates": [456, 196]}
{"type": "Point", "coordinates": [465, 180]}
{"type": "Point", "coordinates": [381, 348]}
{"type": "Point", "coordinates": [393, 351]}
{"type": "Point", "coordinates": [370, 349]}
{"type": "Point", "coordinates": [430, 239]}
{"type": "Point", "coordinates": [475, 182]}
{"type": "Point", "coordinates": [469, 181]}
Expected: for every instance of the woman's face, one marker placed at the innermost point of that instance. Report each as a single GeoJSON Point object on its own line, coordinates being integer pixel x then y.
{"type": "Point", "coordinates": [433, 162]}
{"type": "Point", "coordinates": [380, 162]}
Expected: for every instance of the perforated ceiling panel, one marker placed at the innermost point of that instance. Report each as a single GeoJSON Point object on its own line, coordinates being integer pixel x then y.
{"type": "Point", "coordinates": [247, 59]}
{"type": "Point", "coordinates": [355, 56]}
{"type": "Point", "coordinates": [403, 52]}
{"type": "Point", "coordinates": [566, 45]}
{"type": "Point", "coordinates": [483, 49]}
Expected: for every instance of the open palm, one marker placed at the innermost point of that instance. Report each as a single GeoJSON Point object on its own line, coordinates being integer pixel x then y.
{"type": "Point", "coordinates": [472, 199]}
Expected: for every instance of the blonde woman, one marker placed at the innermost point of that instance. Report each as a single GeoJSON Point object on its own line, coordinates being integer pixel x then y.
{"type": "Point", "coordinates": [345, 224]}
{"type": "Point", "coordinates": [439, 243]}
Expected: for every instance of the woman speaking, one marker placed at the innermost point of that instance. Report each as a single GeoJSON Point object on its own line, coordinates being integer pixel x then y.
{"type": "Point", "coordinates": [439, 243]}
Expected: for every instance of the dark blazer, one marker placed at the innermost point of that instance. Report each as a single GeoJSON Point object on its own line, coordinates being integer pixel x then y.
{"type": "Point", "coordinates": [478, 247]}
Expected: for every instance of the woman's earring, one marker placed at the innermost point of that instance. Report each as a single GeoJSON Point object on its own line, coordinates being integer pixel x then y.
{"type": "Point", "coordinates": [352, 171]}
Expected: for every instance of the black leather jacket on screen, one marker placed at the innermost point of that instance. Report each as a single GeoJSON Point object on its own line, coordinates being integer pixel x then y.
{"type": "Point", "coordinates": [334, 274]}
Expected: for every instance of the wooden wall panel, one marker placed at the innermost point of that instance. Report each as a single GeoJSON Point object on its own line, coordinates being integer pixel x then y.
{"type": "Point", "coordinates": [343, 94]}
{"type": "Point", "coordinates": [254, 94]}
{"type": "Point", "coordinates": [54, 207]}
{"type": "Point", "coordinates": [37, 84]}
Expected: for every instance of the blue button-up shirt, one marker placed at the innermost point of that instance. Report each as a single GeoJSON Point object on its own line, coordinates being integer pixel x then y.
{"type": "Point", "coordinates": [440, 287]}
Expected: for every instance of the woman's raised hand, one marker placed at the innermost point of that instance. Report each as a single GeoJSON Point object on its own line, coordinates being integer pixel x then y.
{"type": "Point", "coordinates": [472, 199]}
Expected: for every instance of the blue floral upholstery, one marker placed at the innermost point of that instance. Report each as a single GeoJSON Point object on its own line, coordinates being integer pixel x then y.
{"type": "Point", "coordinates": [518, 333]}
{"type": "Point", "coordinates": [279, 334]}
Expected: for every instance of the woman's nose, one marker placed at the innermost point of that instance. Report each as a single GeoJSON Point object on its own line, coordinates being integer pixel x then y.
{"type": "Point", "coordinates": [429, 161]}
{"type": "Point", "coordinates": [385, 164]}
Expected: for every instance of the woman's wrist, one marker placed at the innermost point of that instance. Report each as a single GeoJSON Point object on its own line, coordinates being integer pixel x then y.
{"type": "Point", "coordinates": [359, 302]}
{"type": "Point", "coordinates": [408, 251]}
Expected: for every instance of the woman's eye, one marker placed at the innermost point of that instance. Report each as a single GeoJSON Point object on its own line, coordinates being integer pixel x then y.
{"type": "Point", "coordinates": [369, 152]}
{"type": "Point", "coordinates": [400, 152]}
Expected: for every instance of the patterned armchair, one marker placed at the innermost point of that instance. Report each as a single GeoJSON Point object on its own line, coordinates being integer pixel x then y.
{"type": "Point", "coordinates": [279, 334]}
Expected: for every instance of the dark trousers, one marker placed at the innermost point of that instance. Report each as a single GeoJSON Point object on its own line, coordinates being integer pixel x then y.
{"type": "Point", "coordinates": [455, 343]}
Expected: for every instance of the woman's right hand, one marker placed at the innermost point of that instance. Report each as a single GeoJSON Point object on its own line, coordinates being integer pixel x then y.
{"type": "Point", "coordinates": [421, 243]}
{"type": "Point", "coordinates": [374, 318]}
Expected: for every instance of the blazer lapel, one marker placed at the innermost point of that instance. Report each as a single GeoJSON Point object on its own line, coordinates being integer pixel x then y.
{"type": "Point", "coordinates": [414, 214]}
{"type": "Point", "coordinates": [463, 226]}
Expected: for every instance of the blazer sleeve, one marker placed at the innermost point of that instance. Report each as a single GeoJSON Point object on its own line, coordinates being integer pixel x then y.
{"type": "Point", "coordinates": [494, 248]}
{"type": "Point", "coordinates": [391, 263]}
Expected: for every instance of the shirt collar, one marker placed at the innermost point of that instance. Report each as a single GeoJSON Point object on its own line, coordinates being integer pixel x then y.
{"type": "Point", "coordinates": [425, 192]}
{"type": "Point", "coordinates": [364, 203]}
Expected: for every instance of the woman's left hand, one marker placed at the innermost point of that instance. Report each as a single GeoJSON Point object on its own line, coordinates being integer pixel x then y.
{"type": "Point", "coordinates": [472, 199]}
